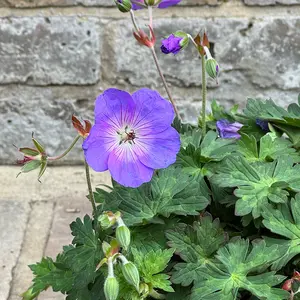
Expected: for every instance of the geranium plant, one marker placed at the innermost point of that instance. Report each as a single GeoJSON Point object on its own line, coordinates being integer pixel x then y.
{"type": "Point", "coordinates": [206, 211]}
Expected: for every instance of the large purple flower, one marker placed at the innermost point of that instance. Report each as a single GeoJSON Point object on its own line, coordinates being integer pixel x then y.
{"type": "Point", "coordinates": [162, 4]}
{"type": "Point", "coordinates": [132, 136]}
{"type": "Point", "coordinates": [172, 44]}
{"type": "Point", "coordinates": [228, 130]}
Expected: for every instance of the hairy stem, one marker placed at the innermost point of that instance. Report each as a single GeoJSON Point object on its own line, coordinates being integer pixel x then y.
{"type": "Point", "coordinates": [66, 152]}
{"type": "Point", "coordinates": [164, 81]}
{"type": "Point", "coordinates": [204, 92]}
{"type": "Point", "coordinates": [89, 183]}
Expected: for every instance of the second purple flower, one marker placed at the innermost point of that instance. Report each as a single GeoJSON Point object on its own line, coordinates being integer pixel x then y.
{"type": "Point", "coordinates": [228, 130]}
{"type": "Point", "coordinates": [132, 136]}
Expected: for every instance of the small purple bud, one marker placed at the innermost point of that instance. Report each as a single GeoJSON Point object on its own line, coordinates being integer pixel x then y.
{"type": "Point", "coordinates": [172, 44]}
{"type": "Point", "coordinates": [264, 125]}
{"type": "Point", "coordinates": [228, 130]}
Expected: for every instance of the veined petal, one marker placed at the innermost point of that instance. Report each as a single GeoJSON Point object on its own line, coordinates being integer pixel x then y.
{"type": "Point", "coordinates": [115, 106]}
{"type": "Point", "coordinates": [158, 151]}
{"type": "Point", "coordinates": [136, 6]}
{"type": "Point", "coordinates": [152, 112]}
{"type": "Point", "coordinates": [126, 168]}
{"type": "Point", "coordinates": [98, 145]}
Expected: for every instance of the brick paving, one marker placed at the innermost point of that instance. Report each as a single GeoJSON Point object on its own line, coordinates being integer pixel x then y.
{"type": "Point", "coordinates": [34, 221]}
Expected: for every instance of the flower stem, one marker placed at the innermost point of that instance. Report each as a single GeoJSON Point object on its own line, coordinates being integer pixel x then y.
{"type": "Point", "coordinates": [89, 183]}
{"type": "Point", "coordinates": [204, 92]}
{"type": "Point", "coordinates": [164, 81]}
{"type": "Point", "coordinates": [67, 151]}
{"type": "Point", "coordinates": [136, 27]}
{"type": "Point", "coordinates": [150, 16]}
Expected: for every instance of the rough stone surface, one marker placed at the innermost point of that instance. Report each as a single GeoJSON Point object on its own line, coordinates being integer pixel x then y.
{"type": "Point", "coordinates": [43, 3]}
{"type": "Point", "coordinates": [13, 218]}
{"type": "Point", "coordinates": [52, 50]}
{"type": "Point", "coordinates": [271, 2]}
{"type": "Point", "coordinates": [46, 112]}
{"type": "Point", "coordinates": [63, 183]}
{"type": "Point", "coordinates": [34, 243]}
{"type": "Point", "coordinates": [256, 58]}
{"type": "Point", "coordinates": [97, 3]}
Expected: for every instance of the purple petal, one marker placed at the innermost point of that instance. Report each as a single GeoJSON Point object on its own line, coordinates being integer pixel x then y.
{"type": "Point", "coordinates": [158, 151]}
{"type": "Point", "coordinates": [171, 44]}
{"type": "Point", "coordinates": [167, 3]}
{"type": "Point", "coordinates": [126, 168]}
{"type": "Point", "coordinates": [98, 145]}
{"type": "Point", "coordinates": [115, 106]}
{"type": "Point", "coordinates": [153, 113]}
{"type": "Point", "coordinates": [136, 6]}
{"type": "Point", "coordinates": [228, 130]}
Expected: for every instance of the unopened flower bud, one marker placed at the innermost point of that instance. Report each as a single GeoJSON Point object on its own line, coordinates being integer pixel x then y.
{"type": "Point", "coordinates": [106, 220]}
{"type": "Point", "coordinates": [212, 68]}
{"type": "Point", "coordinates": [175, 42]}
{"type": "Point", "coordinates": [123, 236]}
{"type": "Point", "coordinates": [149, 2]}
{"type": "Point", "coordinates": [111, 288]}
{"type": "Point", "coordinates": [123, 5]}
{"type": "Point", "coordinates": [131, 274]}
{"type": "Point", "coordinates": [287, 285]}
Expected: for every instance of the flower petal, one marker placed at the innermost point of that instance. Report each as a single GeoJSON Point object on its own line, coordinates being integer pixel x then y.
{"type": "Point", "coordinates": [115, 106]}
{"type": "Point", "coordinates": [158, 151]}
{"type": "Point", "coordinates": [136, 6]}
{"type": "Point", "coordinates": [152, 112]}
{"type": "Point", "coordinates": [167, 3]}
{"type": "Point", "coordinates": [125, 167]}
{"type": "Point", "coordinates": [98, 145]}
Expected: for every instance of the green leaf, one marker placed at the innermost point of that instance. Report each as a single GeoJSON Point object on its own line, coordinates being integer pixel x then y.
{"type": "Point", "coordinates": [270, 147]}
{"type": "Point", "coordinates": [169, 192]}
{"type": "Point", "coordinates": [47, 274]}
{"type": "Point", "coordinates": [180, 293]}
{"type": "Point", "coordinates": [196, 245]}
{"type": "Point", "coordinates": [292, 132]}
{"type": "Point", "coordinates": [150, 266]}
{"type": "Point", "coordinates": [193, 155]}
{"type": "Point", "coordinates": [268, 110]}
{"type": "Point", "coordinates": [259, 183]}
{"type": "Point", "coordinates": [214, 148]}
{"type": "Point", "coordinates": [30, 166]}
{"type": "Point", "coordinates": [182, 127]}
{"type": "Point", "coordinates": [232, 272]}
{"type": "Point", "coordinates": [285, 222]}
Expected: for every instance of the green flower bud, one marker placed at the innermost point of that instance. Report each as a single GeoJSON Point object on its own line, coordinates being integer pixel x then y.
{"type": "Point", "coordinates": [123, 5]}
{"type": "Point", "coordinates": [185, 38]}
{"type": "Point", "coordinates": [111, 288]}
{"type": "Point", "coordinates": [123, 236]}
{"type": "Point", "coordinates": [149, 2]}
{"type": "Point", "coordinates": [131, 274]}
{"type": "Point", "coordinates": [212, 68]}
{"type": "Point", "coordinates": [106, 220]}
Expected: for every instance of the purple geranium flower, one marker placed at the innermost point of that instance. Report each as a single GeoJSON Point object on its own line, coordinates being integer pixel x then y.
{"type": "Point", "coordinates": [132, 136]}
{"type": "Point", "coordinates": [228, 130]}
{"type": "Point", "coordinates": [171, 44]}
{"type": "Point", "coordinates": [162, 4]}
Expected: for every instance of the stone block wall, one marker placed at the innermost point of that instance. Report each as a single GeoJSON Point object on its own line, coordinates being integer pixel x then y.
{"type": "Point", "coordinates": [56, 56]}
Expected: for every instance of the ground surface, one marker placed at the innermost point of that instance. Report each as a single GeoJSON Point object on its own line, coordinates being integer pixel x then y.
{"type": "Point", "coordinates": [35, 218]}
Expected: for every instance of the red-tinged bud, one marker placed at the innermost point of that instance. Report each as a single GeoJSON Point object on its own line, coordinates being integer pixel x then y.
{"type": "Point", "coordinates": [287, 285]}
{"type": "Point", "coordinates": [82, 130]}
{"type": "Point", "coordinates": [144, 39]}
{"type": "Point", "coordinates": [296, 276]}
{"type": "Point", "coordinates": [201, 43]}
